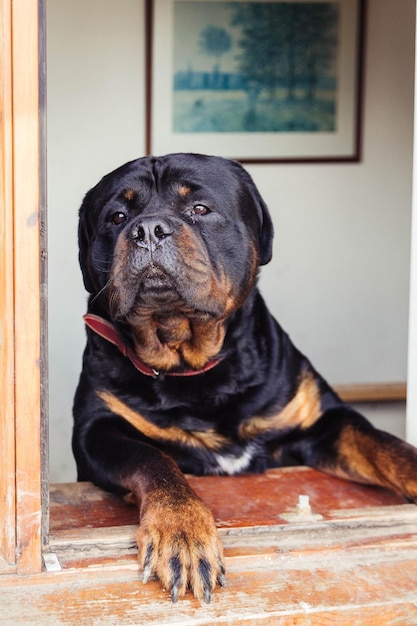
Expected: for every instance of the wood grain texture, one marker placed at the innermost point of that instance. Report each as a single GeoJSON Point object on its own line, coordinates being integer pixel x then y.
{"type": "Point", "coordinates": [236, 501]}
{"type": "Point", "coordinates": [373, 392]}
{"type": "Point", "coordinates": [26, 227]}
{"type": "Point", "coordinates": [355, 565]}
{"type": "Point", "coordinates": [352, 596]}
{"type": "Point", "coordinates": [7, 474]}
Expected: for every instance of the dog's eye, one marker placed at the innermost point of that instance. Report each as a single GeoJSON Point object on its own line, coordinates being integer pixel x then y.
{"type": "Point", "coordinates": [118, 218]}
{"type": "Point", "coordinates": [200, 209]}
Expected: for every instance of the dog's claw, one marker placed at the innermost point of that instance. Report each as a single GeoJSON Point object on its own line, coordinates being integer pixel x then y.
{"type": "Point", "coordinates": [174, 593]}
{"type": "Point", "coordinates": [168, 549]}
{"type": "Point", "coordinates": [147, 571]}
{"type": "Point", "coordinates": [207, 595]}
{"type": "Point", "coordinates": [205, 571]}
{"type": "Point", "coordinates": [222, 580]}
{"type": "Point", "coordinates": [147, 568]}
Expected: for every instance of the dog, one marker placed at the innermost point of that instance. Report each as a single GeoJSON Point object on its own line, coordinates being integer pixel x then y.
{"type": "Point", "coordinates": [186, 371]}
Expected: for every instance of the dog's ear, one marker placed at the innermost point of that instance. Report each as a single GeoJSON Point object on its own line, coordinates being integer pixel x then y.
{"type": "Point", "coordinates": [267, 230]}
{"type": "Point", "coordinates": [85, 235]}
{"type": "Point", "coordinates": [266, 233]}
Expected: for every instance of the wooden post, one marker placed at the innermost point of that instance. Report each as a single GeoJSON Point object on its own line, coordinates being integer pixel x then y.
{"type": "Point", "coordinates": [7, 433]}
{"type": "Point", "coordinates": [20, 323]}
{"type": "Point", "coordinates": [26, 173]}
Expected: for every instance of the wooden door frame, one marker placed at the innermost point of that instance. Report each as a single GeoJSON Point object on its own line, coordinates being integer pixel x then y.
{"type": "Point", "coordinates": [23, 423]}
{"type": "Point", "coordinates": [21, 295]}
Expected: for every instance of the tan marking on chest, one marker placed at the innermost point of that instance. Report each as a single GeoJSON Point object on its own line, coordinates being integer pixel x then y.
{"type": "Point", "coordinates": [195, 439]}
{"type": "Point", "coordinates": [162, 343]}
{"type": "Point", "coordinates": [302, 411]}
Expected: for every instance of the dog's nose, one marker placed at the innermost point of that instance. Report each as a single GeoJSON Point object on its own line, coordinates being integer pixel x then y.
{"type": "Point", "coordinates": [149, 232]}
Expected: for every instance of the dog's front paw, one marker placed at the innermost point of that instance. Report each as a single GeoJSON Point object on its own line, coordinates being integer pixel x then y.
{"type": "Point", "coordinates": [178, 543]}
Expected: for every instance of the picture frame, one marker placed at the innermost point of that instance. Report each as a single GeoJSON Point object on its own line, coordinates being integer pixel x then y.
{"type": "Point", "coordinates": [259, 81]}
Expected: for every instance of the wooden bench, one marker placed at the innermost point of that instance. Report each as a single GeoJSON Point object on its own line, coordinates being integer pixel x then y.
{"type": "Point", "coordinates": [353, 560]}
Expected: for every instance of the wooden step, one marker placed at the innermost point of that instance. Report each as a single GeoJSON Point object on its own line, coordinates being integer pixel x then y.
{"type": "Point", "coordinates": [352, 561]}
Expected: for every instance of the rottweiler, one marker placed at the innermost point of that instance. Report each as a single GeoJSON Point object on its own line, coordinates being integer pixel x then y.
{"type": "Point", "coordinates": [185, 369]}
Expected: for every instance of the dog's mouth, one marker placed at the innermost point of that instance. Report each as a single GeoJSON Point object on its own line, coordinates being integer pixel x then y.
{"type": "Point", "coordinates": [156, 285]}
{"type": "Point", "coordinates": [175, 313]}
{"type": "Point", "coordinates": [174, 299]}
{"type": "Point", "coordinates": [165, 282]}
{"type": "Point", "coordinates": [168, 328]}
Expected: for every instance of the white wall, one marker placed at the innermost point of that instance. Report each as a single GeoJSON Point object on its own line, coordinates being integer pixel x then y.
{"type": "Point", "coordinates": [411, 430]}
{"type": "Point", "coordinates": [340, 275]}
{"type": "Point", "coordinates": [95, 123]}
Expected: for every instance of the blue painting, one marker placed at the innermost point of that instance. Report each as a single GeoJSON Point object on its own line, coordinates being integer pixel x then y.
{"type": "Point", "coordinates": [255, 66]}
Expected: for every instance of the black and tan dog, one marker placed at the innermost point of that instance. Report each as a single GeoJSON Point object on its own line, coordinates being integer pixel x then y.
{"type": "Point", "coordinates": [185, 370]}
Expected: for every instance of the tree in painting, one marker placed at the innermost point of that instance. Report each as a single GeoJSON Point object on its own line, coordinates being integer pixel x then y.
{"type": "Point", "coordinates": [317, 40]}
{"type": "Point", "coordinates": [215, 41]}
{"type": "Point", "coordinates": [279, 66]}
{"type": "Point", "coordinates": [284, 45]}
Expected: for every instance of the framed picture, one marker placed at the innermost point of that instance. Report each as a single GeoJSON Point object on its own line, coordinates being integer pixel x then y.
{"type": "Point", "coordinates": [255, 80]}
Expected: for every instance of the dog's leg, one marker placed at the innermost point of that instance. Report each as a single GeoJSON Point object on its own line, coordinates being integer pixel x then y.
{"type": "Point", "coordinates": [177, 538]}
{"type": "Point", "coordinates": [345, 444]}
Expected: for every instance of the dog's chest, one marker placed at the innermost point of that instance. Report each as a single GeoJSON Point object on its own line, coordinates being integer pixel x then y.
{"type": "Point", "coordinates": [222, 453]}
{"type": "Point", "coordinates": [235, 463]}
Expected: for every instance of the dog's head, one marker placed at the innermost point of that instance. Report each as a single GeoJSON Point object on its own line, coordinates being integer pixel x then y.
{"type": "Point", "coordinates": [171, 246]}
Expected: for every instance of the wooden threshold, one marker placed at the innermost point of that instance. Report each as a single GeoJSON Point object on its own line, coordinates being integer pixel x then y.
{"type": "Point", "coordinates": [354, 560]}
{"type": "Point", "coordinates": [373, 392]}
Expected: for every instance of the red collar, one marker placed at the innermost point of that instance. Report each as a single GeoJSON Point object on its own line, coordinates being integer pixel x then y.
{"type": "Point", "coordinates": [106, 330]}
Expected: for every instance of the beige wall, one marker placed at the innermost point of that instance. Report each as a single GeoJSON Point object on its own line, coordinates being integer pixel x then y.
{"type": "Point", "coordinates": [340, 274]}
{"type": "Point", "coordinates": [411, 429]}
